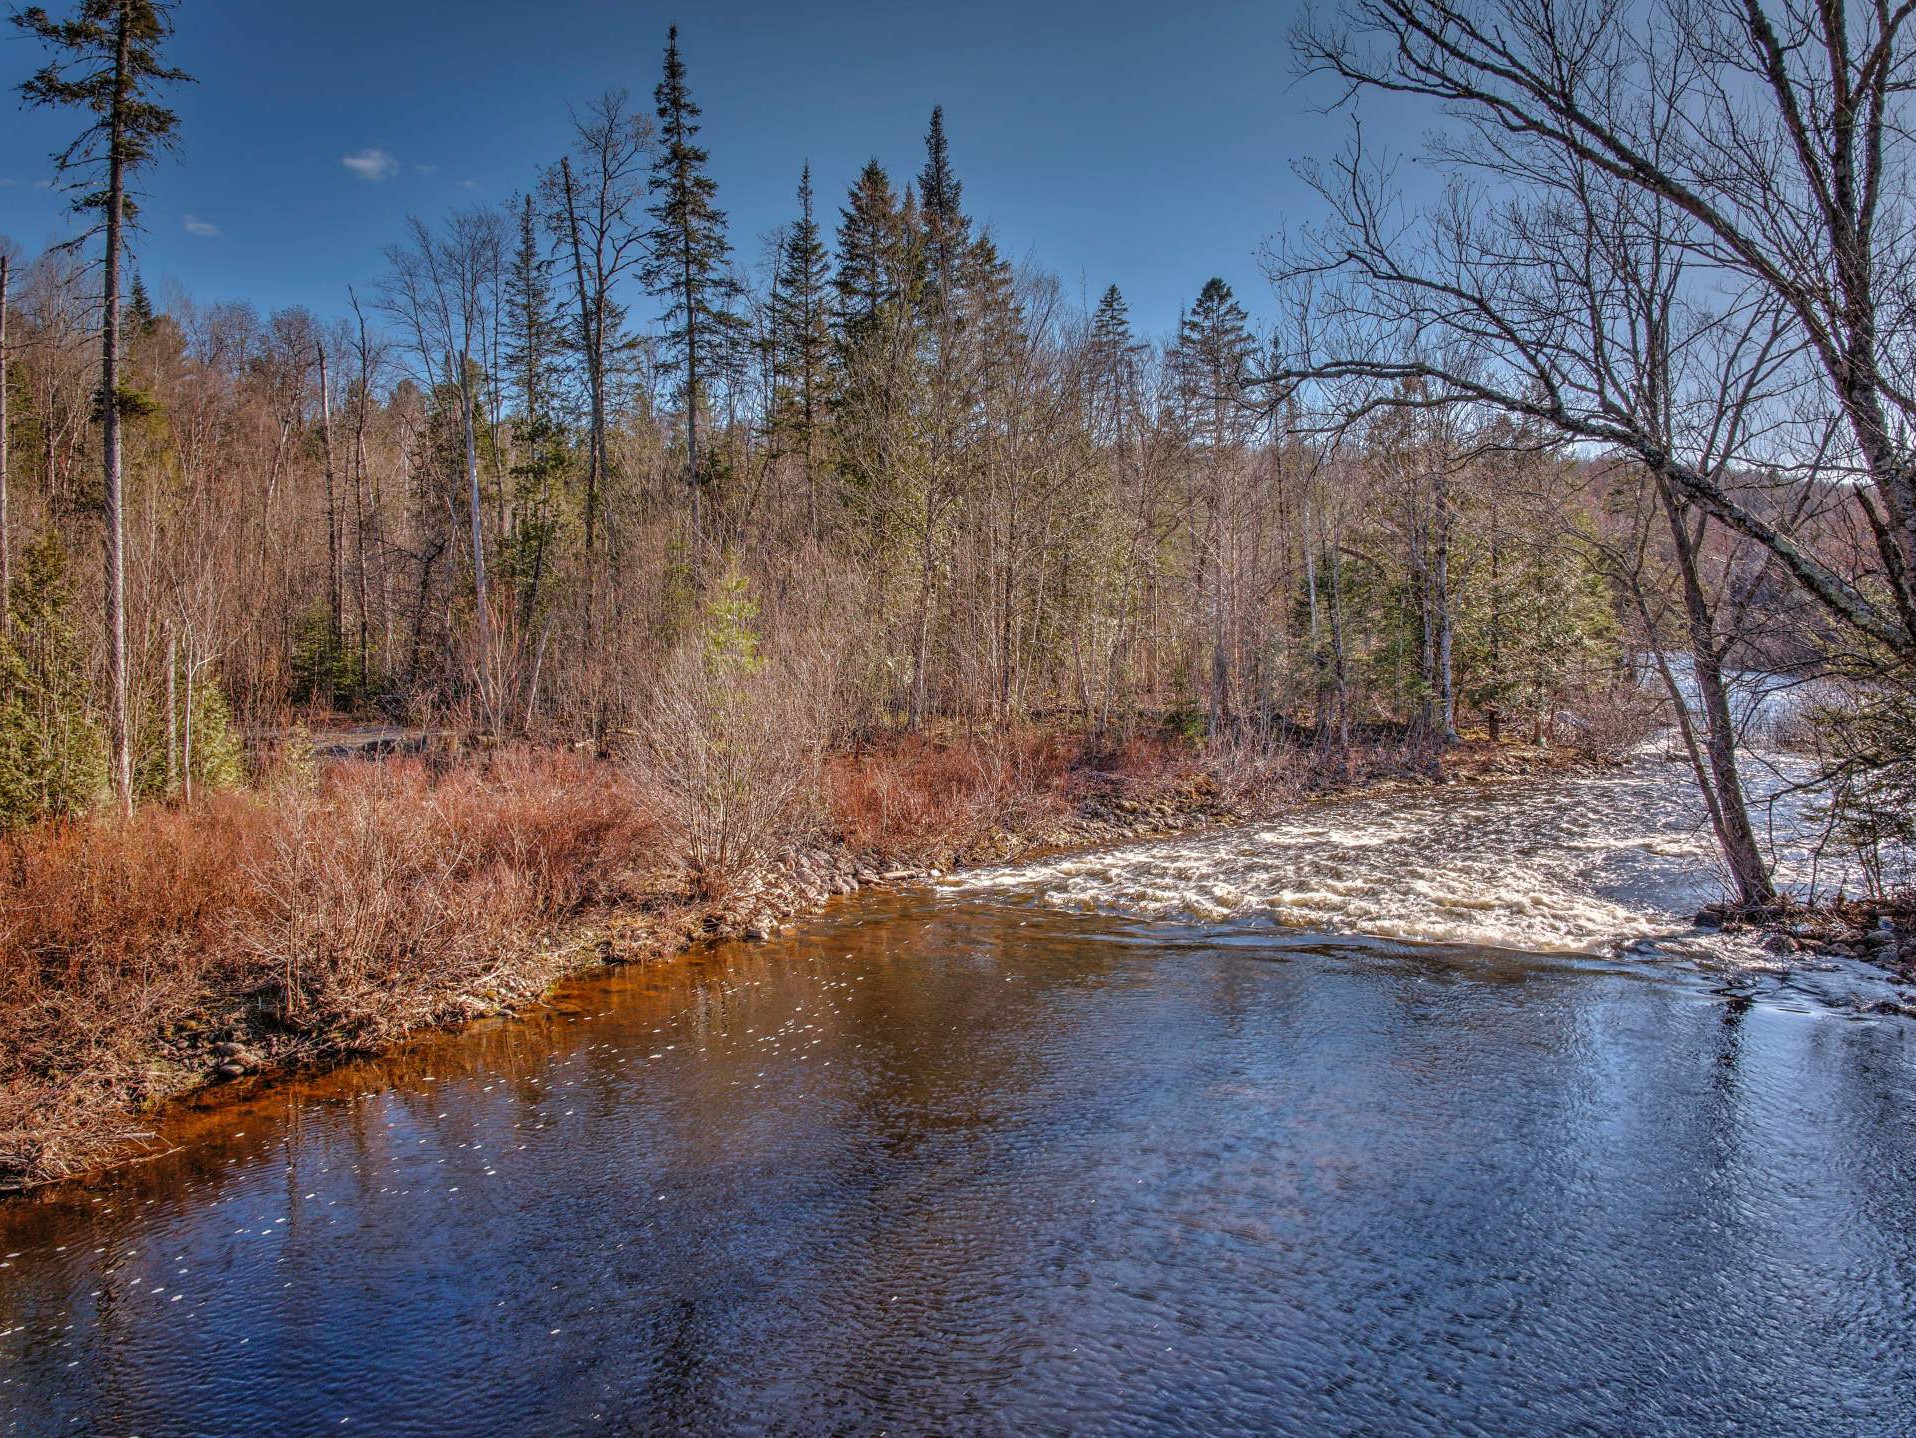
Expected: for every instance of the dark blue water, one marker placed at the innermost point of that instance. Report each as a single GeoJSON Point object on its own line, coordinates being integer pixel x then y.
{"type": "Point", "coordinates": [965, 1163]}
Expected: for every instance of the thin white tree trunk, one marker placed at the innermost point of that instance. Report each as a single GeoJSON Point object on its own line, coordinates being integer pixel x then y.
{"type": "Point", "coordinates": [119, 737]}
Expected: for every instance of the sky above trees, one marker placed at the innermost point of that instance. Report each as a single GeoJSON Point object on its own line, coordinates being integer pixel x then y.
{"type": "Point", "coordinates": [1125, 142]}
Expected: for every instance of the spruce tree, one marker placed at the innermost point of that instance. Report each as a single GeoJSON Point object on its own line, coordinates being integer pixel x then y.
{"type": "Point", "coordinates": [802, 341]}
{"type": "Point", "coordinates": [946, 228]}
{"type": "Point", "coordinates": [535, 336]}
{"type": "Point", "coordinates": [106, 63]}
{"type": "Point", "coordinates": [688, 266]}
{"type": "Point", "coordinates": [1212, 360]}
{"type": "Point", "coordinates": [139, 306]}
{"type": "Point", "coordinates": [870, 231]}
{"type": "Point", "coordinates": [1113, 362]}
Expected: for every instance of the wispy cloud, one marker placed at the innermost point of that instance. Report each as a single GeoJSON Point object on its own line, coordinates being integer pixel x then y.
{"type": "Point", "coordinates": [7, 184]}
{"type": "Point", "coordinates": [372, 165]}
{"type": "Point", "coordinates": [425, 169]}
{"type": "Point", "coordinates": [205, 229]}
{"type": "Point", "coordinates": [468, 184]}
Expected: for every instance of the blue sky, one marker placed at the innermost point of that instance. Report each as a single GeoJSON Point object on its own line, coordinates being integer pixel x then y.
{"type": "Point", "coordinates": [1129, 142]}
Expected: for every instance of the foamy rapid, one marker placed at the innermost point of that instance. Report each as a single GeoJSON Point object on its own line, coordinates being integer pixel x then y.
{"type": "Point", "coordinates": [1592, 864]}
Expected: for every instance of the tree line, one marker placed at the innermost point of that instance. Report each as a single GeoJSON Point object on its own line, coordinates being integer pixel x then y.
{"type": "Point", "coordinates": [1479, 465]}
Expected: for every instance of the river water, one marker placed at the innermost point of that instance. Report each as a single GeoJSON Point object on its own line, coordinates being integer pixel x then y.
{"type": "Point", "coordinates": [1421, 1114]}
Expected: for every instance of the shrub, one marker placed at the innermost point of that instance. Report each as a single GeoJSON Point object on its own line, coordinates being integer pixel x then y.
{"type": "Point", "coordinates": [52, 753]}
{"type": "Point", "coordinates": [385, 897]}
{"type": "Point", "coordinates": [733, 744]}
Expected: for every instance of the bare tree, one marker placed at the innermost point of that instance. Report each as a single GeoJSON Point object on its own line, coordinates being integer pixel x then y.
{"type": "Point", "coordinates": [6, 384]}
{"type": "Point", "coordinates": [1767, 140]}
{"type": "Point", "coordinates": [442, 287]}
{"type": "Point", "coordinates": [107, 62]}
{"type": "Point", "coordinates": [596, 207]}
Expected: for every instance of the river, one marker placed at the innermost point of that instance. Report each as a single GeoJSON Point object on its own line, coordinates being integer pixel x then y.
{"type": "Point", "coordinates": [1426, 1113]}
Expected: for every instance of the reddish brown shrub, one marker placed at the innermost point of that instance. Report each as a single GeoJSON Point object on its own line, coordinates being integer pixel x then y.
{"type": "Point", "coordinates": [336, 915]}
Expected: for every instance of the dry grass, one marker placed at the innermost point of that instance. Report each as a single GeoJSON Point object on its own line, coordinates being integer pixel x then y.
{"type": "Point", "coordinates": [310, 920]}
{"type": "Point", "coordinates": [307, 921]}
{"type": "Point", "coordinates": [929, 799]}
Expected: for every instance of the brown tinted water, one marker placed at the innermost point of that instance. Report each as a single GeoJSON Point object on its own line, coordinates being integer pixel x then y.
{"type": "Point", "coordinates": [1036, 1154]}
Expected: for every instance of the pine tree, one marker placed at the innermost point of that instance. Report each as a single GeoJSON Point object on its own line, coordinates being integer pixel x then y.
{"type": "Point", "coordinates": [1212, 360]}
{"type": "Point", "coordinates": [1112, 357]}
{"type": "Point", "coordinates": [107, 64]}
{"type": "Point", "coordinates": [535, 337]}
{"type": "Point", "coordinates": [139, 307]}
{"type": "Point", "coordinates": [801, 339]}
{"type": "Point", "coordinates": [870, 233]}
{"type": "Point", "coordinates": [688, 265]}
{"type": "Point", "coordinates": [946, 228]}
{"type": "Point", "coordinates": [1212, 363]}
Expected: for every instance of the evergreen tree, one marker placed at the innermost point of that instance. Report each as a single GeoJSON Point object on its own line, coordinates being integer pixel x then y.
{"type": "Point", "coordinates": [52, 758]}
{"type": "Point", "coordinates": [107, 64]}
{"type": "Point", "coordinates": [536, 336]}
{"type": "Point", "coordinates": [800, 337]}
{"type": "Point", "coordinates": [946, 228]}
{"type": "Point", "coordinates": [1112, 357]}
{"type": "Point", "coordinates": [139, 307]}
{"type": "Point", "coordinates": [1212, 360]}
{"type": "Point", "coordinates": [688, 265]}
{"type": "Point", "coordinates": [870, 237]}
{"type": "Point", "coordinates": [535, 339]}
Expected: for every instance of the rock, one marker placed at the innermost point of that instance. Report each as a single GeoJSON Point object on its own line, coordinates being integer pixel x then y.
{"type": "Point", "coordinates": [229, 1050]}
{"type": "Point", "coordinates": [231, 1070]}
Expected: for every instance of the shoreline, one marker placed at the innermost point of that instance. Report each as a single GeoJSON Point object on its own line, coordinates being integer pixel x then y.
{"type": "Point", "coordinates": [235, 1047]}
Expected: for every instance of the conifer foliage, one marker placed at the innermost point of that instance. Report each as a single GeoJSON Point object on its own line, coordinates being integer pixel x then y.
{"type": "Point", "coordinates": [689, 264]}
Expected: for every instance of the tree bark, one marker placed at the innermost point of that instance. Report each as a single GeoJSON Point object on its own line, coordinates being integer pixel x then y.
{"type": "Point", "coordinates": [6, 535]}
{"type": "Point", "coordinates": [1736, 836]}
{"type": "Point", "coordinates": [119, 737]}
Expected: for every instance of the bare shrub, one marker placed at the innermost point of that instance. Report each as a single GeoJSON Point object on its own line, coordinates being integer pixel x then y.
{"type": "Point", "coordinates": [929, 799]}
{"type": "Point", "coordinates": [1608, 721]}
{"type": "Point", "coordinates": [334, 914]}
{"type": "Point", "coordinates": [734, 743]}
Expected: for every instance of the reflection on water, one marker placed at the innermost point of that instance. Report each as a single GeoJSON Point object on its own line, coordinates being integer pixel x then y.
{"type": "Point", "coordinates": [963, 1162]}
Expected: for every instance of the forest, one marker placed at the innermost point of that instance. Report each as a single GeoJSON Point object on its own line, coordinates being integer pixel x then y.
{"type": "Point", "coordinates": [496, 492]}
{"type": "Point", "coordinates": [590, 505]}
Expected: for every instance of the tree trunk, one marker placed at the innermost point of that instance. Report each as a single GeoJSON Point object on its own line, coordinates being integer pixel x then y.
{"type": "Point", "coordinates": [119, 737]}
{"type": "Point", "coordinates": [1440, 599]}
{"type": "Point", "coordinates": [6, 537]}
{"type": "Point", "coordinates": [1736, 836]}
{"type": "Point", "coordinates": [172, 709]}
{"type": "Point", "coordinates": [591, 339]}
{"type": "Point", "coordinates": [335, 581]}
{"type": "Point", "coordinates": [487, 693]}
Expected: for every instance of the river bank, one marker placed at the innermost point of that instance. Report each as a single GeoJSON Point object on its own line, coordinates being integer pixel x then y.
{"type": "Point", "coordinates": [1442, 1076]}
{"type": "Point", "coordinates": [192, 954]}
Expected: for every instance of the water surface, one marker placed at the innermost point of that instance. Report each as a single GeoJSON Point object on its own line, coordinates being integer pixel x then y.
{"type": "Point", "coordinates": [1226, 1135]}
